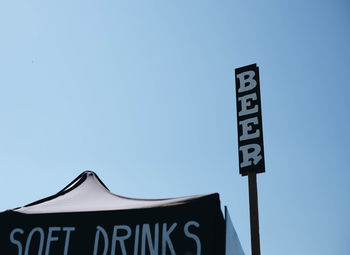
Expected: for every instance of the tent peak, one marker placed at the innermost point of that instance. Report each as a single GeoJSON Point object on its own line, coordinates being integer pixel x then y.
{"type": "Point", "coordinates": [82, 178]}
{"type": "Point", "coordinates": [89, 172]}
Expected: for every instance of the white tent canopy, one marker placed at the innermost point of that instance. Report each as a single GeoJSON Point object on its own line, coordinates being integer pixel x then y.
{"type": "Point", "coordinates": [88, 193]}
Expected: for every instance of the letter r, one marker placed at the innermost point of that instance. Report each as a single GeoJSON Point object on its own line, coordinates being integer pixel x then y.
{"type": "Point", "coordinates": [250, 154]}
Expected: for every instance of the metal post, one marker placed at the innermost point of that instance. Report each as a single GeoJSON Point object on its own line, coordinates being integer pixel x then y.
{"type": "Point", "coordinates": [254, 214]}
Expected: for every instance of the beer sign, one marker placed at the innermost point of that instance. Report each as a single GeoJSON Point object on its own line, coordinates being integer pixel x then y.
{"type": "Point", "coordinates": [249, 121]}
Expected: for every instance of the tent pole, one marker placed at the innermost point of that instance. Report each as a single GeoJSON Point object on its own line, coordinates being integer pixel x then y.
{"type": "Point", "coordinates": [254, 214]}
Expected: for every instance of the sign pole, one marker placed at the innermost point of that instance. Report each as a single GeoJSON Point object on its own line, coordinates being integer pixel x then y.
{"type": "Point", "coordinates": [250, 140]}
{"type": "Point", "coordinates": [254, 214]}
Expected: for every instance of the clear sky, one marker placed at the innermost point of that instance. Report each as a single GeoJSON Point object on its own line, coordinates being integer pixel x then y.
{"type": "Point", "coordinates": [142, 93]}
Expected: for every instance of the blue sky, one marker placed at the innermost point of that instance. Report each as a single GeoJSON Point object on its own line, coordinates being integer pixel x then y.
{"type": "Point", "coordinates": [142, 92]}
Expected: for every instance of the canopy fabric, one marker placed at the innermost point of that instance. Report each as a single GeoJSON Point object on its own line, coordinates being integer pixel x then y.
{"type": "Point", "coordinates": [88, 193]}
{"type": "Point", "coordinates": [233, 245]}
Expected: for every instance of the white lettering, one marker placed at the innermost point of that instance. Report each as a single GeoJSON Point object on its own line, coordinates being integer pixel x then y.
{"type": "Point", "coordinates": [97, 238]}
{"type": "Point", "coordinates": [246, 127]}
{"type": "Point", "coordinates": [166, 239]}
{"type": "Point", "coordinates": [146, 235]}
{"type": "Point", "coordinates": [121, 239]}
{"type": "Point", "coordinates": [41, 245]}
{"type": "Point", "coordinates": [250, 154]}
{"type": "Point", "coordinates": [66, 243]}
{"type": "Point", "coordinates": [246, 103]}
{"type": "Point", "coordinates": [193, 236]}
{"type": "Point", "coordinates": [18, 243]}
{"type": "Point", "coordinates": [246, 81]}
{"type": "Point", "coordinates": [51, 238]}
{"type": "Point", "coordinates": [137, 236]}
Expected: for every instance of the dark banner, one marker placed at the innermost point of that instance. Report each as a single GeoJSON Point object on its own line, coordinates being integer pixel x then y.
{"type": "Point", "coordinates": [249, 121]}
{"type": "Point", "coordinates": [193, 228]}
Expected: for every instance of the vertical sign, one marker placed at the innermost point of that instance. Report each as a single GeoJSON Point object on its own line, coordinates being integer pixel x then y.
{"type": "Point", "coordinates": [250, 140]}
{"type": "Point", "coordinates": [249, 122]}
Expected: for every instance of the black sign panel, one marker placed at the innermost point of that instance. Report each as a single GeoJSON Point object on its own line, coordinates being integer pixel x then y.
{"type": "Point", "coordinates": [193, 228]}
{"type": "Point", "coordinates": [249, 121]}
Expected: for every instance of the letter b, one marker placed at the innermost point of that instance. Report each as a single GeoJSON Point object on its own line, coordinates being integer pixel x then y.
{"type": "Point", "coordinates": [246, 81]}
